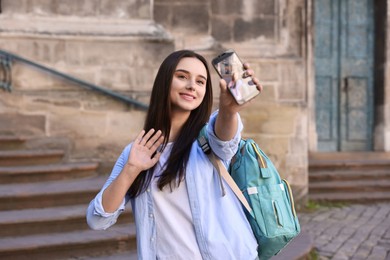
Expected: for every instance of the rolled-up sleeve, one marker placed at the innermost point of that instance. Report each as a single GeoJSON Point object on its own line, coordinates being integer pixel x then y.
{"type": "Point", "coordinates": [223, 149]}
{"type": "Point", "coordinates": [97, 218]}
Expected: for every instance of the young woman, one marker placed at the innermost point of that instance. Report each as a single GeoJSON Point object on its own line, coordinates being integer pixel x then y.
{"type": "Point", "coordinates": [175, 192]}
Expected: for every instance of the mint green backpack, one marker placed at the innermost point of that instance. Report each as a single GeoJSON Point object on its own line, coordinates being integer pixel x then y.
{"type": "Point", "coordinates": [267, 198]}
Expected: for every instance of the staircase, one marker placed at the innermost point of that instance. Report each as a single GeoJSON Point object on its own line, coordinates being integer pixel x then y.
{"type": "Point", "coordinates": [359, 177]}
{"type": "Point", "coordinates": [43, 200]}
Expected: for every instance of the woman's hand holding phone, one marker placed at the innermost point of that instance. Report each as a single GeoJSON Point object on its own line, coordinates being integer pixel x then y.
{"type": "Point", "coordinates": [226, 99]}
{"type": "Point", "coordinates": [240, 80]}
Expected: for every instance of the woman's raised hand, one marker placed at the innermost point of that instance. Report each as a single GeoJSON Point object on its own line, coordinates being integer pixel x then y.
{"type": "Point", "coordinates": [226, 100]}
{"type": "Point", "coordinates": [144, 154]}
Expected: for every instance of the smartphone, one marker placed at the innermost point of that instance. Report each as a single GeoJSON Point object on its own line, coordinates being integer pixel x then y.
{"type": "Point", "coordinates": [228, 64]}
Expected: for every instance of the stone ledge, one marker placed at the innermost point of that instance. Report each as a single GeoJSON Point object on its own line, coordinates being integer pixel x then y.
{"type": "Point", "coordinates": [298, 249]}
{"type": "Point", "coordinates": [75, 26]}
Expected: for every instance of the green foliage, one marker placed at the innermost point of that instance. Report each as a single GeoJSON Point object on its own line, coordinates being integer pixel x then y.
{"type": "Point", "coordinates": [313, 255]}
{"type": "Point", "coordinates": [316, 205]}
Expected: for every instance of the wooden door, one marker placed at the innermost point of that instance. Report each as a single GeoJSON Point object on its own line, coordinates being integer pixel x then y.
{"type": "Point", "coordinates": [344, 38]}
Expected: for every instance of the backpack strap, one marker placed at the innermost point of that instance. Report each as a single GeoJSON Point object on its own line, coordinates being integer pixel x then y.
{"type": "Point", "coordinates": [229, 180]}
{"type": "Point", "coordinates": [264, 170]}
{"type": "Point", "coordinates": [204, 144]}
{"type": "Point", "coordinates": [222, 172]}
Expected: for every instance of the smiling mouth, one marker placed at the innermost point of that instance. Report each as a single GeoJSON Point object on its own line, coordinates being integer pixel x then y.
{"type": "Point", "coordinates": [187, 96]}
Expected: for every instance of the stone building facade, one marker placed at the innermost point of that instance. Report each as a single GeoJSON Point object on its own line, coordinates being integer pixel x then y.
{"type": "Point", "coordinates": [119, 44]}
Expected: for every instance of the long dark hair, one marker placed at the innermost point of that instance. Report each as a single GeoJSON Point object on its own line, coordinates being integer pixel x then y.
{"type": "Point", "coordinates": [159, 118]}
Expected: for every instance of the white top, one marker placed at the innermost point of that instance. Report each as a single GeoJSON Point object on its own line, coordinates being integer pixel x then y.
{"type": "Point", "coordinates": [219, 222]}
{"type": "Point", "coordinates": [175, 232]}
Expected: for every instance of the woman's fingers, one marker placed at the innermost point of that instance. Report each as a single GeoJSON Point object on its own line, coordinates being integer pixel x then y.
{"type": "Point", "coordinates": [257, 83]}
{"type": "Point", "coordinates": [250, 73]}
{"type": "Point", "coordinates": [147, 136]}
{"type": "Point", "coordinates": [151, 139]}
{"type": "Point", "coordinates": [144, 152]}
{"type": "Point", "coordinates": [222, 84]}
{"type": "Point", "coordinates": [154, 139]}
{"type": "Point", "coordinates": [247, 73]}
{"type": "Point", "coordinates": [139, 137]}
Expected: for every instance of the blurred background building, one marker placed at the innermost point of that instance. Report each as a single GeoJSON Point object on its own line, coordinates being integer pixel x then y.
{"type": "Point", "coordinates": [324, 65]}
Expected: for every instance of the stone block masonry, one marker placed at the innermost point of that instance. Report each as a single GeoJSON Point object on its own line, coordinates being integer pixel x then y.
{"type": "Point", "coordinates": [117, 53]}
{"type": "Point", "coordinates": [120, 45]}
{"type": "Point", "coordinates": [119, 9]}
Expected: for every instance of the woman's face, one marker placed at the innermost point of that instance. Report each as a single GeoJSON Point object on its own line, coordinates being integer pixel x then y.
{"type": "Point", "coordinates": [188, 85]}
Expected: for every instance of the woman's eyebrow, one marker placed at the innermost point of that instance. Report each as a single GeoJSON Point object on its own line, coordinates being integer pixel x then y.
{"type": "Point", "coordinates": [187, 72]}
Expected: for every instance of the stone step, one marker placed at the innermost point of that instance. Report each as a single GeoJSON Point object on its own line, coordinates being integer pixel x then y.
{"type": "Point", "coordinates": [49, 194]}
{"type": "Point", "coordinates": [348, 174]}
{"type": "Point", "coordinates": [348, 160]}
{"type": "Point", "coordinates": [39, 173]}
{"type": "Point", "coordinates": [298, 249]}
{"type": "Point", "coordinates": [69, 245]}
{"type": "Point", "coordinates": [30, 157]}
{"type": "Point", "coordinates": [341, 156]}
{"type": "Point", "coordinates": [356, 186]}
{"type": "Point", "coordinates": [127, 255]}
{"type": "Point", "coordinates": [366, 164]}
{"type": "Point", "coordinates": [49, 220]}
{"type": "Point", "coordinates": [351, 197]}
{"type": "Point", "coordinates": [11, 142]}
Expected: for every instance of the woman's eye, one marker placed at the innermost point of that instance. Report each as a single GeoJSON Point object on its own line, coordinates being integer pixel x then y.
{"type": "Point", "coordinates": [201, 82]}
{"type": "Point", "coordinates": [181, 76]}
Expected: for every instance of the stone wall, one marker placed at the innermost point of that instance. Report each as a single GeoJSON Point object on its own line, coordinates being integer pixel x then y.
{"type": "Point", "coordinates": [270, 35]}
{"type": "Point", "coordinates": [120, 46]}
{"type": "Point", "coordinates": [102, 9]}
{"type": "Point", "coordinates": [113, 44]}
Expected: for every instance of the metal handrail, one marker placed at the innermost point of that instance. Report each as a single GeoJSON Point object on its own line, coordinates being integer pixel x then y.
{"type": "Point", "coordinates": [9, 56]}
{"type": "Point", "coordinates": [6, 79]}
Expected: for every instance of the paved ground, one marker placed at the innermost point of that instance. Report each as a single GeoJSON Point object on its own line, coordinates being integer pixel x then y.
{"type": "Point", "coordinates": [351, 232]}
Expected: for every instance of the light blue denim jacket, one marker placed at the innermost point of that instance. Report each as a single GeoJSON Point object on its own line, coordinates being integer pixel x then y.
{"type": "Point", "coordinates": [220, 225]}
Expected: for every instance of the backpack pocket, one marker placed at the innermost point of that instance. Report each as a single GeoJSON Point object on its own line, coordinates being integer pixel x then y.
{"type": "Point", "coordinates": [273, 210]}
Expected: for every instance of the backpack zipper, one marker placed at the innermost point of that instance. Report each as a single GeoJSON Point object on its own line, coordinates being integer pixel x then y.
{"type": "Point", "coordinates": [291, 198]}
